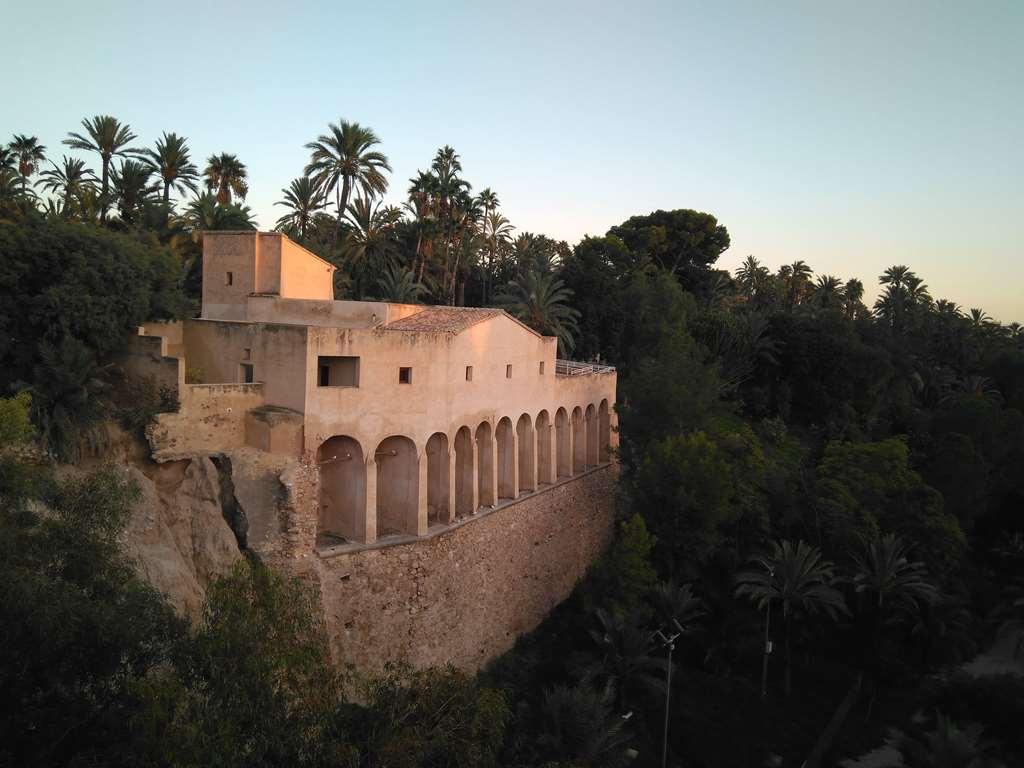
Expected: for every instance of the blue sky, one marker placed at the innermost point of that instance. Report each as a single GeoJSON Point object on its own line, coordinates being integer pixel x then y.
{"type": "Point", "coordinates": [850, 135]}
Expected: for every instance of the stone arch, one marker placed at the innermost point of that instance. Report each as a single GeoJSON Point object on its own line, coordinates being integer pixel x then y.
{"type": "Point", "coordinates": [437, 478]}
{"type": "Point", "coordinates": [563, 443]}
{"type": "Point", "coordinates": [526, 446]}
{"type": "Point", "coordinates": [579, 441]}
{"type": "Point", "coordinates": [342, 511]}
{"type": "Point", "coordinates": [398, 481]}
{"type": "Point", "coordinates": [543, 430]}
{"type": "Point", "coordinates": [505, 442]}
{"type": "Point", "coordinates": [485, 465]}
{"type": "Point", "coordinates": [592, 436]}
{"type": "Point", "coordinates": [604, 432]}
{"type": "Point", "coordinates": [464, 477]}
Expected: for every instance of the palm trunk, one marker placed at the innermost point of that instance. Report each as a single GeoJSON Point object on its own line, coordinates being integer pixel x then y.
{"type": "Point", "coordinates": [789, 659]}
{"type": "Point", "coordinates": [167, 193]}
{"type": "Point", "coordinates": [103, 192]}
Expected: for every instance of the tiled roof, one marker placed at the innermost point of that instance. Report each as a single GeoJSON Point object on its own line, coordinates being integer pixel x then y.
{"type": "Point", "coordinates": [442, 319]}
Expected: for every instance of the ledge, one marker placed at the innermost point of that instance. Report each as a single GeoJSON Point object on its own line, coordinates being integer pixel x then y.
{"type": "Point", "coordinates": [439, 529]}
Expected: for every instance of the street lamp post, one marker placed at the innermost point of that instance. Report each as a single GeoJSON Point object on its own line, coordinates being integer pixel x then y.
{"type": "Point", "coordinates": [767, 625]}
{"type": "Point", "coordinates": [669, 642]}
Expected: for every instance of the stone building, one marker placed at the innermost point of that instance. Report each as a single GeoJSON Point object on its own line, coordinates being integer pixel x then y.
{"type": "Point", "coordinates": [406, 443]}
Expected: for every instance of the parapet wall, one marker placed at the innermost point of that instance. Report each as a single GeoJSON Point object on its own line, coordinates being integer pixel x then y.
{"type": "Point", "coordinates": [464, 596]}
{"type": "Point", "coordinates": [211, 420]}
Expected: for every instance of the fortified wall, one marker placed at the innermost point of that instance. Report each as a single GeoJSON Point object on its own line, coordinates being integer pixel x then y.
{"type": "Point", "coordinates": [435, 472]}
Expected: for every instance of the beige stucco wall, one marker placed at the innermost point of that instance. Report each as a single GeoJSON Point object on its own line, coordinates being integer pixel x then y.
{"type": "Point", "coordinates": [439, 399]}
{"type": "Point", "coordinates": [303, 274]}
{"type": "Point", "coordinates": [268, 262]}
{"type": "Point", "coordinates": [225, 252]}
{"type": "Point", "coordinates": [278, 354]}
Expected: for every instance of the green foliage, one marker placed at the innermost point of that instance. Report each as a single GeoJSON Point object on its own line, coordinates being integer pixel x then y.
{"type": "Point", "coordinates": [66, 399]}
{"type": "Point", "coordinates": [253, 686]}
{"type": "Point", "coordinates": [869, 488]}
{"type": "Point", "coordinates": [431, 717]}
{"type": "Point", "coordinates": [78, 625]}
{"type": "Point", "coordinates": [683, 489]}
{"type": "Point", "coordinates": [624, 576]}
{"type": "Point", "coordinates": [581, 728]}
{"type": "Point", "coordinates": [60, 279]}
{"type": "Point", "coordinates": [15, 422]}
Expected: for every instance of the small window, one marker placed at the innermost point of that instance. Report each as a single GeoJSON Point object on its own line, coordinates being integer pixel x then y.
{"type": "Point", "coordinates": [247, 354]}
{"type": "Point", "coordinates": [405, 375]}
{"type": "Point", "coordinates": [248, 373]}
{"type": "Point", "coordinates": [229, 278]}
{"type": "Point", "coordinates": [337, 371]}
{"type": "Point", "coordinates": [541, 367]}
{"type": "Point", "coordinates": [469, 373]}
{"type": "Point", "coordinates": [508, 371]}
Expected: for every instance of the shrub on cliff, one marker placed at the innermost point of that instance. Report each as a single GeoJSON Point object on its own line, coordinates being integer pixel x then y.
{"type": "Point", "coordinates": [62, 279]}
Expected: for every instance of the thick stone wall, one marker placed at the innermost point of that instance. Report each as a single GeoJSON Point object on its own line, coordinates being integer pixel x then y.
{"type": "Point", "coordinates": [210, 420]}
{"type": "Point", "coordinates": [463, 596]}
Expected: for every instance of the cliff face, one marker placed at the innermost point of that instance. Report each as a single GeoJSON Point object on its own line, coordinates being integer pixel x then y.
{"type": "Point", "coordinates": [178, 535]}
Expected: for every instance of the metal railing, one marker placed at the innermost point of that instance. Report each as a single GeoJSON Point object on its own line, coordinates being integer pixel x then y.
{"type": "Point", "coordinates": [574, 368]}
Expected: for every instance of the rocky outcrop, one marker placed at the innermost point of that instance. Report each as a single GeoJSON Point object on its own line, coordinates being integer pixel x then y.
{"type": "Point", "coordinates": [177, 534]}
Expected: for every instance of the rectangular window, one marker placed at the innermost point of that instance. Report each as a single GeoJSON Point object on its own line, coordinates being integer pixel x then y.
{"type": "Point", "coordinates": [248, 373]}
{"type": "Point", "coordinates": [469, 373]}
{"type": "Point", "coordinates": [405, 375]}
{"type": "Point", "coordinates": [508, 371]}
{"type": "Point", "coordinates": [337, 371]}
{"type": "Point", "coordinates": [229, 278]}
{"type": "Point", "coordinates": [541, 367]}
{"type": "Point", "coordinates": [247, 353]}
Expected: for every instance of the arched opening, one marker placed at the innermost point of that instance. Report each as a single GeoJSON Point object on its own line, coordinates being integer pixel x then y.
{"type": "Point", "coordinates": [437, 478]}
{"type": "Point", "coordinates": [526, 447]}
{"type": "Point", "coordinates": [579, 441]}
{"type": "Point", "coordinates": [464, 473]}
{"type": "Point", "coordinates": [506, 459]}
{"type": "Point", "coordinates": [342, 514]}
{"type": "Point", "coordinates": [563, 443]}
{"type": "Point", "coordinates": [544, 448]}
{"type": "Point", "coordinates": [398, 482]}
{"type": "Point", "coordinates": [604, 432]}
{"type": "Point", "coordinates": [485, 465]}
{"type": "Point", "coordinates": [592, 437]}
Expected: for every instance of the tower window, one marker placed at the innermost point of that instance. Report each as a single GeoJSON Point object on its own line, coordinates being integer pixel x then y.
{"type": "Point", "coordinates": [469, 373]}
{"type": "Point", "coordinates": [541, 367]}
{"type": "Point", "coordinates": [229, 278]}
{"type": "Point", "coordinates": [248, 373]}
{"type": "Point", "coordinates": [405, 375]}
{"type": "Point", "coordinates": [508, 371]}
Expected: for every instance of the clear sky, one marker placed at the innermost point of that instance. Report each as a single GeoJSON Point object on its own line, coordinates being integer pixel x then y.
{"type": "Point", "coordinates": [852, 135]}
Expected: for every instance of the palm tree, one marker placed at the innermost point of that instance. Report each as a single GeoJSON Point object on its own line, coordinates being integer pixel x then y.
{"type": "Point", "coordinates": [488, 200]}
{"type": "Point", "coordinates": [342, 160]}
{"type": "Point", "coordinates": [797, 279]}
{"type": "Point", "coordinates": [226, 174]}
{"type": "Point", "coordinates": [27, 153]}
{"type": "Point", "coordinates": [205, 213]}
{"type": "Point", "coordinates": [799, 579]}
{"type": "Point", "coordinates": [498, 234]}
{"type": "Point", "coordinates": [541, 301]}
{"type": "Point", "coordinates": [885, 575]}
{"type": "Point", "coordinates": [66, 397]}
{"type": "Point", "coordinates": [947, 746]}
{"type": "Point", "coordinates": [399, 285]}
{"type": "Point", "coordinates": [827, 292]}
{"type": "Point", "coordinates": [171, 161]}
{"type": "Point", "coordinates": [105, 135]}
{"type": "Point", "coordinates": [132, 188]}
{"type": "Point", "coordinates": [69, 180]}
{"type": "Point", "coordinates": [622, 661]}
{"type": "Point", "coordinates": [677, 603]}
{"type": "Point", "coordinates": [751, 277]}
{"type": "Point", "coordinates": [579, 727]}
{"type": "Point", "coordinates": [303, 198]}
{"type": "Point", "coordinates": [853, 293]}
